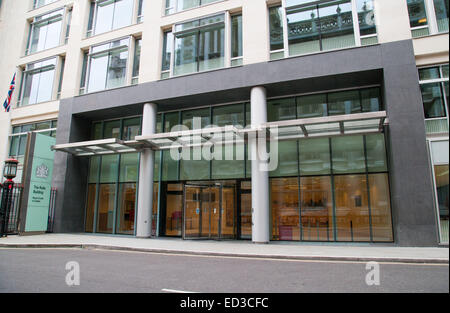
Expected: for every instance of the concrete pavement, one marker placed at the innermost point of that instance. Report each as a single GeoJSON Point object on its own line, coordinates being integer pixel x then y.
{"type": "Point", "coordinates": [275, 250]}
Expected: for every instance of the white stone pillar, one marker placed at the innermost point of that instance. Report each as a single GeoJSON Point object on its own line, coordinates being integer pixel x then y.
{"type": "Point", "coordinates": [146, 169]}
{"type": "Point", "coordinates": [260, 177]}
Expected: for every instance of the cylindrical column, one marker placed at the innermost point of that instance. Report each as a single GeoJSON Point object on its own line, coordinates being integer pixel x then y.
{"type": "Point", "coordinates": [260, 176]}
{"type": "Point", "coordinates": [146, 169]}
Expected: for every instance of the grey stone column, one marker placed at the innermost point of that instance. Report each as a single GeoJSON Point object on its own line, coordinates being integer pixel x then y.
{"type": "Point", "coordinates": [260, 176]}
{"type": "Point", "coordinates": [146, 169]}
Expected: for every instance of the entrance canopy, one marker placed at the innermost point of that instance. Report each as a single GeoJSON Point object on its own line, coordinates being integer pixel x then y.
{"type": "Point", "coordinates": [101, 147]}
{"type": "Point", "coordinates": [339, 125]}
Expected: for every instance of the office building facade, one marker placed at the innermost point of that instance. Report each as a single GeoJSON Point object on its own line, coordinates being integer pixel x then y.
{"type": "Point", "coordinates": [305, 121]}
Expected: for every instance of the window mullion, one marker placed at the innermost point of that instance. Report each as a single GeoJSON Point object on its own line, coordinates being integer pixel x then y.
{"type": "Point", "coordinates": [431, 13]}
{"type": "Point", "coordinates": [285, 30]}
{"type": "Point", "coordinates": [172, 56]}
{"type": "Point", "coordinates": [356, 29]}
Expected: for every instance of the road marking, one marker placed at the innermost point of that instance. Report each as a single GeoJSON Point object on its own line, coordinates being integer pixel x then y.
{"type": "Point", "coordinates": [177, 291]}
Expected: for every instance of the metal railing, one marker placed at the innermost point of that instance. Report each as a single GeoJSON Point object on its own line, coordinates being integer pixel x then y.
{"type": "Point", "coordinates": [51, 211]}
{"type": "Point", "coordinates": [13, 214]}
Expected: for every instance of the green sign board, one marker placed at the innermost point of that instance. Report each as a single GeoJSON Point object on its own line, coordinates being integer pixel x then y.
{"type": "Point", "coordinates": [40, 184]}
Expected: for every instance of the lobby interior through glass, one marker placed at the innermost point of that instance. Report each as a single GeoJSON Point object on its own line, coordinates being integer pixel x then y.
{"type": "Point", "coordinates": [325, 189]}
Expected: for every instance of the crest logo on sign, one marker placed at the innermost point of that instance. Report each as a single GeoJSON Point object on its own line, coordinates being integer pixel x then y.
{"type": "Point", "coordinates": [42, 171]}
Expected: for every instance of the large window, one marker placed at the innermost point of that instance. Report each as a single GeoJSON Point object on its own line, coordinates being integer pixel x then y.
{"type": "Point", "coordinates": [435, 93]}
{"type": "Point", "coordinates": [428, 16]}
{"type": "Point", "coordinates": [173, 6]}
{"type": "Point", "coordinates": [113, 181]}
{"type": "Point", "coordinates": [313, 27]}
{"type": "Point", "coordinates": [38, 82]}
{"type": "Point", "coordinates": [106, 66]}
{"type": "Point", "coordinates": [107, 15]}
{"type": "Point", "coordinates": [45, 31]}
{"type": "Point", "coordinates": [327, 104]}
{"type": "Point", "coordinates": [338, 190]}
{"type": "Point", "coordinates": [199, 45]}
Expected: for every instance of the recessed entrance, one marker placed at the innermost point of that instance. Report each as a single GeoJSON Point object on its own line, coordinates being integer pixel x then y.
{"type": "Point", "coordinates": [209, 211]}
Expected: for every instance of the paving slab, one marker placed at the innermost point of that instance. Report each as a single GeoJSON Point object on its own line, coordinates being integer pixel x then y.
{"type": "Point", "coordinates": [277, 250]}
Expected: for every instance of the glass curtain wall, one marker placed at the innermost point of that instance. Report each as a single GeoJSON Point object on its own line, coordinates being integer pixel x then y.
{"type": "Point", "coordinates": [435, 96]}
{"type": "Point", "coordinates": [113, 182]}
{"type": "Point", "coordinates": [37, 82]}
{"type": "Point", "coordinates": [230, 161]}
{"type": "Point", "coordinates": [199, 45]}
{"type": "Point", "coordinates": [107, 65]}
{"type": "Point", "coordinates": [45, 31]}
{"type": "Point", "coordinates": [330, 189]}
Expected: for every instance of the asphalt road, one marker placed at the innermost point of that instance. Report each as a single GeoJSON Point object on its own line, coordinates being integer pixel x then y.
{"type": "Point", "coordinates": [44, 270]}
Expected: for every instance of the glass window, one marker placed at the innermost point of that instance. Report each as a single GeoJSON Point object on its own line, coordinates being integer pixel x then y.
{"type": "Point", "coordinates": [45, 31]}
{"type": "Point", "coordinates": [174, 210]}
{"type": "Point", "coordinates": [316, 208]}
{"type": "Point", "coordinates": [285, 209]}
{"type": "Point", "coordinates": [193, 166]}
{"type": "Point", "coordinates": [141, 6]}
{"type": "Point", "coordinates": [433, 100]}
{"type": "Point", "coordinates": [325, 26]}
{"type": "Point", "coordinates": [376, 153]}
{"type": "Point", "coordinates": [287, 159]}
{"type": "Point", "coordinates": [352, 208]}
{"type": "Point", "coordinates": [232, 156]}
{"type": "Point", "coordinates": [418, 17]}
{"type": "Point", "coordinates": [38, 82]}
{"type": "Point", "coordinates": [346, 102]}
{"type": "Point", "coordinates": [131, 128]}
{"type": "Point", "coordinates": [303, 30]}
{"type": "Point", "coordinates": [200, 45]}
{"type": "Point", "coordinates": [112, 129]}
{"type": "Point", "coordinates": [312, 106]}
{"type": "Point", "coordinates": [109, 168]}
{"type": "Point", "coordinates": [441, 8]}
{"type": "Point", "coordinates": [281, 109]}
{"type": "Point", "coordinates": [429, 73]}
{"type": "Point", "coordinates": [276, 28]}
{"type": "Point", "coordinates": [90, 208]}
{"type": "Point", "coordinates": [348, 154]}
{"type": "Point", "coordinates": [173, 6]}
{"type": "Point", "coordinates": [108, 66]}
{"type": "Point", "coordinates": [366, 17]}
{"type": "Point", "coordinates": [380, 207]}
{"type": "Point", "coordinates": [371, 100]}
{"type": "Point", "coordinates": [126, 209]}
{"type": "Point", "coordinates": [40, 3]}
{"type": "Point", "coordinates": [112, 14]}
{"type": "Point", "coordinates": [93, 169]}
{"type": "Point", "coordinates": [129, 164]}
{"type": "Point", "coordinates": [167, 51]}
{"type": "Point", "coordinates": [169, 165]}
{"type": "Point", "coordinates": [105, 216]}
{"type": "Point", "coordinates": [314, 156]}
{"type": "Point", "coordinates": [137, 58]}
{"type": "Point", "coordinates": [236, 39]}
{"type": "Point", "coordinates": [442, 191]}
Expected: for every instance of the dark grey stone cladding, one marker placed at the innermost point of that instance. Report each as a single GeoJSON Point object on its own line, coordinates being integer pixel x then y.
{"type": "Point", "coordinates": [391, 65]}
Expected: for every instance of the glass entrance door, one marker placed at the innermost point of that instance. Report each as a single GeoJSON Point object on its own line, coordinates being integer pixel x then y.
{"type": "Point", "coordinates": [209, 212]}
